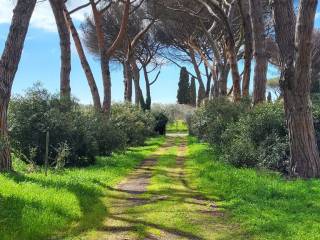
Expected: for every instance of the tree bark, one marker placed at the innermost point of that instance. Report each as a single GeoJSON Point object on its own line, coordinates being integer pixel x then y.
{"type": "Point", "coordinates": [139, 99]}
{"type": "Point", "coordinates": [294, 41]}
{"type": "Point", "coordinates": [202, 90]}
{"type": "Point", "coordinates": [106, 53]}
{"type": "Point", "coordinates": [65, 48]}
{"type": "Point", "coordinates": [8, 67]}
{"type": "Point", "coordinates": [148, 91]}
{"type": "Point", "coordinates": [259, 40]}
{"type": "Point", "coordinates": [104, 60]}
{"type": "Point", "coordinates": [222, 82]}
{"type": "Point", "coordinates": [208, 85]}
{"type": "Point", "coordinates": [127, 81]}
{"type": "Point", "coordinates": [247, 29]}
{"type": "Point", "coordinates": [233, 62]}
{"type": "Point", "coordinates": [106, 76]}
{"type": "Point", "coordinates": [215, 10]}
{"type": "Point", "coordinates": [84, 62]}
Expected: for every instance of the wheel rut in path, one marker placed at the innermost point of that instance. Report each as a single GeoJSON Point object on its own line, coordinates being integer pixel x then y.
{"type": "Point", "coordinates": [155, 202]}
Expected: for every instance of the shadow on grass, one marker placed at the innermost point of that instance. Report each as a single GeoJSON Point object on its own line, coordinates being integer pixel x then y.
{"type": "Point", "coordinates": [15, 224]}
{"type": "Point", "coordinates": [267, 205]}
{"type": "Point", "coordinates": [92, 208]}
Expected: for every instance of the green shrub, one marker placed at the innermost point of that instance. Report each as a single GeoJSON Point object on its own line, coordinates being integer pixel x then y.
{"type": "Point", "coordinates": [32, 115]}
{"type": "Point", "coordinates": [86, 132]}
{"type": "Point", "coordinates": [136, 124]}
{"type": "Point", "coordinates": [255, 137]}
{"type": "Point", "coordinates": [258, 139]}
{"type": "Point", "coordinates": [210, 121]}
{"type": "Point", "coordinates": [109, 136]}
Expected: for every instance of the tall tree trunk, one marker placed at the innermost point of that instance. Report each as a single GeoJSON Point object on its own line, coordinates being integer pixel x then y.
{"type": "Point", "coordinates": [104, 59]}
{"type": "Point", "coordinates": [202, 90]}
{"type": "Point", "coordinates": [65, 48]}
{"type": "Point", "coordinates": [127, 81]}
{"type": "Point", "coordinates": [106, 76]}
{"type": "Point", "coordinates": [139, 99]}
{"type": "Point", "coordinates": [106, 53]}
{"type": "Point", "coordinates": [259, 40]}
{"type": "Point", "coordinates": [233, 62]}
{"type": "Point", "coordinates": [208, 85]}
{"type": "Point", "coordinates": [223, 80]}
{"type": "Point", "coordinates": [148, 92]}
{"type": "Point", "coordinates": [247, 29]}
{"type": "Point", "coordinates": [8, 67]}
{"type": "Point", "coordinates": [294, 41]}
{"type": "Point", "coordinates": [84, 62]}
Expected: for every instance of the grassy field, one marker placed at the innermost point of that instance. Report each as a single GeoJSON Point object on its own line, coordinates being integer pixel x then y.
{"type": "Point", "coordinates": [65, 203]}
{"type": "Point", "coordinates": [177, 126]}
{"type": "Point", "coordinates": [264, 204]}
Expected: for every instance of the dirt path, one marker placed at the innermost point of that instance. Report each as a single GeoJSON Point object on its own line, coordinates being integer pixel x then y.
{"type": "Point", "coordinates": [156, 202]}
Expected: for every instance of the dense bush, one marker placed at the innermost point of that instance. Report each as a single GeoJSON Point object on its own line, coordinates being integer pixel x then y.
{"type": "Point", "coordinates": [77, 133]}
{"type": "Point", "coordinates": [246, 137]}
{"type": "Point", "coordinates": [137, 125]}
{"type": "Point", "coordinates": [258, 138]}
{"type": "Point", "coordinates": [210, 121]}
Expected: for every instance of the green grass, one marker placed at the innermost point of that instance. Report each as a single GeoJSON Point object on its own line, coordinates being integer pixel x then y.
{"type": "Point", "coordinates": [266, 205]}
{"type": "Point", "coordinates": [65, 203]}
{"type": "Point", "coordinates": [177, 126]}
{"type": "Point", "coordinates": [171, 209]}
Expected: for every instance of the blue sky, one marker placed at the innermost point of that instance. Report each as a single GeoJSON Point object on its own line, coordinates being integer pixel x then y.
{"type": "Point", "coordinates": [41, 62]}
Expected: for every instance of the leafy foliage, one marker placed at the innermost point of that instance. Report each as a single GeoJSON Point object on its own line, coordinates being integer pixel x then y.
{"type": "Point", "coordinates": [246, 137]}
{"type": "Point", "coordinates": [85, 132]}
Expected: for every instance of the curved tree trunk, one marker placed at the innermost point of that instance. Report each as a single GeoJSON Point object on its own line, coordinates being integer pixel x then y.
{"type": "Point", "coordinates": [202, 90]}
{"type": "Point", "coordinates": [259, 40]}
{"type": "Point", "coordinates": [294, 41]}
{"type": "Point", "coordinates": [104, 60]}
{"type": "Point", "coordinates": [247, 29]}
{"type": "Point", "coordinates": [65, 48]}
{"type": "Point", "coordinates": [84, 62]}
{"type": "Point", "coordinates": [233, 62]}
{"type": "Point", "coordinates": [8, 67]}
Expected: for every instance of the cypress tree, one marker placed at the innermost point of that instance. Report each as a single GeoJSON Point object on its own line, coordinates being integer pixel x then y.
{"type": "Point", "coordinates": [183, 95]}
{"type": "Point", "coordinates": [193, 93]}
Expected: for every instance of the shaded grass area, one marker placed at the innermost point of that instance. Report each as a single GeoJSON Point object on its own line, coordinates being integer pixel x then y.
{"type": "Point", "coordinates": [65, 203]}
{"type": "Point", "coordinates": [266, 205]}
{"type": "Point", "coordinates": [177, 126]}
{"type": "Point", "coordinates": [169, 209]}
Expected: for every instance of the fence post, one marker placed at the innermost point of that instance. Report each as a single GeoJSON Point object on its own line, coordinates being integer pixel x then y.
{"type": "Point", "coordinates": [46, 157]}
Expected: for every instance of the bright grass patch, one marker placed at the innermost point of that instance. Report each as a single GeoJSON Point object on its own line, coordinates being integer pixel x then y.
{"type": "Point", "coordinates": [64, 203]}
{"type": "Point", "coordinates": [264, 204]}
{"type": "Point", "coordinates": [177, 126]}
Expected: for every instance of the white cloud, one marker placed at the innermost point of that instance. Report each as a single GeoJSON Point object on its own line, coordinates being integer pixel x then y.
{"type": "Point", "coordinates": [42, 17]}
{"type": "Point", "coordinates": [318, 15]}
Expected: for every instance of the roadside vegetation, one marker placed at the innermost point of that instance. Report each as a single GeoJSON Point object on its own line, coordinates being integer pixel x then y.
{"type": "Point", "coordinates": [261, 202]}
{"type": "Point", "coordinates": [65, 202]}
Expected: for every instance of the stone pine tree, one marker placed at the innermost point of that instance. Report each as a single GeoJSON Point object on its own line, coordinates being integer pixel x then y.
{"type": "Point", "coordinates": [294, 37]}
{"type": "Point", "coordinates": [183, 90]}
{"type": "Point", "coordinates": [193, 93]}
{"type": "Point", "coordinates": [9, 62]}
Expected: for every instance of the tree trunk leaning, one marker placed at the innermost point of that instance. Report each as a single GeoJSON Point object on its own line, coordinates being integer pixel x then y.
{"type": "Point", "coordinates": [65, 48]}
{"type": "Point", "coordinates": [8, 67]}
